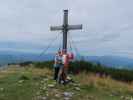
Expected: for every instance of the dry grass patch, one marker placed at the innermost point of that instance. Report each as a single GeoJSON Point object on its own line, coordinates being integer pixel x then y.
{"type": "Point", "coordinates": [38, 71]}
{"type": "Point", "coordinates": [8, 71]}
{"type": "Point", "coordinates": [14, 69]}
{"type": "Point", "coordinates": [104, 83]}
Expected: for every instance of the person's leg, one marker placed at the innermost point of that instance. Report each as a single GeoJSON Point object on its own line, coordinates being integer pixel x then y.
{"type": "Point", "coordinates": [60, 74]}
{"type": "Point", "coordinates": [63, 75]}
{"type": "Point", "coordinates": [55, 73]}
{"type": "Point", "coordinates": [65, 72]}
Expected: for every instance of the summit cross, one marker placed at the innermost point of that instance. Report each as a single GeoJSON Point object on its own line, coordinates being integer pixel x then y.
{"type": "Point", "coordinates": [65, 28]}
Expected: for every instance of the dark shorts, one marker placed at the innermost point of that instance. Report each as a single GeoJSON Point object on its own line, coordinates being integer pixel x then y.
{"type": "Point", "coordinates": [58, 65]}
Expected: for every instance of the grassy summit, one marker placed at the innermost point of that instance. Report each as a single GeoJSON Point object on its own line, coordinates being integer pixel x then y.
{"type": "Point", "coordinates": [30, 83]}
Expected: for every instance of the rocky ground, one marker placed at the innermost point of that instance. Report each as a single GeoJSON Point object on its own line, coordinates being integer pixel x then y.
{"type": "Point", "coordinates": [50, 90]}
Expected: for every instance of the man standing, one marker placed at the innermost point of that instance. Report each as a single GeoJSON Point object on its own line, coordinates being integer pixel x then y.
{"type": "Point", "coordinates": [57, 64]}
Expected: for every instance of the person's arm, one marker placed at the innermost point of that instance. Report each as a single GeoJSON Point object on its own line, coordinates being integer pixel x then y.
{"type": "Point", "coordinates": [55, 60]}
{"type": "Point", "coordinates": [63, 59]}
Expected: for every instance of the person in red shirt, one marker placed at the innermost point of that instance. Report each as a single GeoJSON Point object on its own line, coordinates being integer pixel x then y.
{"type": "Point", "coordinates": [63, 71]}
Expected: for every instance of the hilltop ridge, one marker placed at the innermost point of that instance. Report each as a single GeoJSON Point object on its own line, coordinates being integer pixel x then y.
{"type": "Point", "coordinates": [30, 83]}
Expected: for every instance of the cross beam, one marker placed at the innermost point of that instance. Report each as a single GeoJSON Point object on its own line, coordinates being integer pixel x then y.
{"type": "Point", "coordinates": [65, 28]}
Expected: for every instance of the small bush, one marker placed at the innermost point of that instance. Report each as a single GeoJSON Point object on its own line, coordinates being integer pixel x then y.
{"type": "Point", "coordinates": [24, 77]}
{"type": "Point", "coordinates": [47, 64]}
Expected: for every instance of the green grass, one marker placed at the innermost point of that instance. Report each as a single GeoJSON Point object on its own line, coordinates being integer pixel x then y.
{"type": "Point", "coordinates": [16, 89]}
{"type": "Point", "coordinates": [32, 84]}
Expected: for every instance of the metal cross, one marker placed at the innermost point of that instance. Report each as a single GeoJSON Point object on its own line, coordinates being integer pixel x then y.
{"type": "Point", "coordinates": [65, 28]}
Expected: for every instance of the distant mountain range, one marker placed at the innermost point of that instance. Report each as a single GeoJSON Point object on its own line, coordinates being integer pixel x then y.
{"type": "Point", "coordinates": [17, 57]}
{"type": "Point", "coordinates": [110, 61]}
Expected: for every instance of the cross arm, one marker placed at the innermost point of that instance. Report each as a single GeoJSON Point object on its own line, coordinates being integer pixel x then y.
{"type": "Point", "coordinates": [74, 27]}
{"type": "Point", "coordinates": [56, 28]}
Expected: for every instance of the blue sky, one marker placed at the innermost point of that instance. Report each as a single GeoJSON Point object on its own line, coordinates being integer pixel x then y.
{"type": "Point", "coordinates": [107, 25]}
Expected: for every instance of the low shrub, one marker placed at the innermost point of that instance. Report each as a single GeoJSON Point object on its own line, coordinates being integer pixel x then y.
{"type": "Point", "coordinates": [85, 66]}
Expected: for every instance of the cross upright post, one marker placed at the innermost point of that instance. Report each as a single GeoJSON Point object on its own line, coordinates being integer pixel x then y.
{"type": "Point", "coordinates": [65, 28]}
